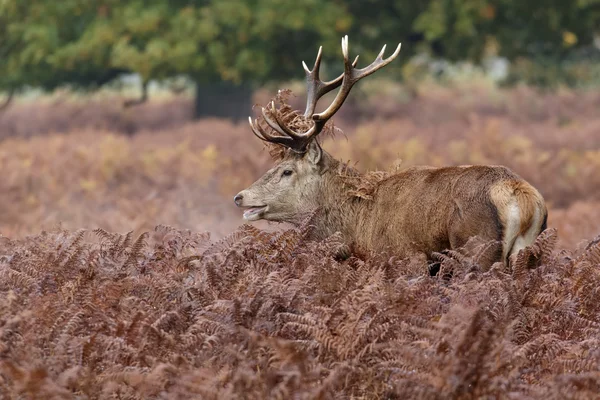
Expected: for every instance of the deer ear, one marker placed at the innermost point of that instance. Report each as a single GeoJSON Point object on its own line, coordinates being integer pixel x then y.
{"type": "Point", "coordinates": [314, 152]}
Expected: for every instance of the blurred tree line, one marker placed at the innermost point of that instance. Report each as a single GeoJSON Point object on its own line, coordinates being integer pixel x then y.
{"type": "Point", "coordinates": [229, 46]}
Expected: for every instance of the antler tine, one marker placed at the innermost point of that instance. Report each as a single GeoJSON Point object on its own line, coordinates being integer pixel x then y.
{"type": "Point", "coordinates": [317, 88]}
{"type": "Point", "coordinates": [278, 128]}
{"type": "Point", "coordinates": [317, 66]}
{"type": "Point", "coordinates": [375, 65]}
{"type": "Point", "coordinates": [260, 133]}
{"type": "Point", "coordinates": [351, 76]}
{"type": "Point", "coordinates": [254, 130]}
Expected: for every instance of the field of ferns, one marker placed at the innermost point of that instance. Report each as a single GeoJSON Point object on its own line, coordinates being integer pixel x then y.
{"type": "Point", "coordinates": [126, 271]}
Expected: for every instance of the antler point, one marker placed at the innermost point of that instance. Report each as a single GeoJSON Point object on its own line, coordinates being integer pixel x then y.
{"type": "Point", "coordinates": [398, 49]}
{"type": "Point", "coordinates": [345, 47]}
{"type": "Point", "coordinates": [382, 52]}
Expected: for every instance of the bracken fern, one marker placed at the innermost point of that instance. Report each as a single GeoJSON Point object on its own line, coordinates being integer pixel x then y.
{"type": "Point", "coordinates": [269, 315]}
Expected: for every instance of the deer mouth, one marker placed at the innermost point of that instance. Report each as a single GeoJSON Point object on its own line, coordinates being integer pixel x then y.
{"type": "Point", "coordinates": [254, 213]}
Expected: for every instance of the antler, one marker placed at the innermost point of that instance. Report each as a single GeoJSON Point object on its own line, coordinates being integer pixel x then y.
{"type": "Point", "coordinates": [298, 141]}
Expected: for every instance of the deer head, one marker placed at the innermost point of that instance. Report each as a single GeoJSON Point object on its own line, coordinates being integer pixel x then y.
{"type": "Point", "coordinates": [296, 185]}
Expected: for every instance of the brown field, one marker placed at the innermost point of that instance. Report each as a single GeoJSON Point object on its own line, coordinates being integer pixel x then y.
{"type": "Point", "coordinates": [260, 314]}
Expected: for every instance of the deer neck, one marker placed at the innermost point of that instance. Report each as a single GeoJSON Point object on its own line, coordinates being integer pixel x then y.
{"type": "Point", "coordinates": [339, 211]}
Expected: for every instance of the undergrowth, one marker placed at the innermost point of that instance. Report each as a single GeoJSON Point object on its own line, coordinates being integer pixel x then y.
{"type": "Point", "coordinates": [265, 315]}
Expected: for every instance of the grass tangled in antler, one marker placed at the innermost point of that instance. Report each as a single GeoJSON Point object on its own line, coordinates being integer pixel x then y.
{"type": "Point", "coordinates": [272, 315]}
{"type": "Point", "coordinates": [293, 119]}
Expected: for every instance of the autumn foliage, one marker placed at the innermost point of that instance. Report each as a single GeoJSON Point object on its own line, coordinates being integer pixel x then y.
{"type": "Point", "coordinates": [172, 314]}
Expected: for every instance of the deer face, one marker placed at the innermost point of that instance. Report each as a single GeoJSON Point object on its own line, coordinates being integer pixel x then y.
{"type": "Point", "coordinates": [287, 191]}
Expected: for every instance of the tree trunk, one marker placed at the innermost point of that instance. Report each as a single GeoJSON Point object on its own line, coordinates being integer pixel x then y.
{"type": "Point", "coordinates": [9, 98]}
{"type": "Point", "coordinates": [223, 100]}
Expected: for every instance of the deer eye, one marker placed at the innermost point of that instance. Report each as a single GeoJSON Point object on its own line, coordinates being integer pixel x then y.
{"type": "Point", "coordinates": [286, 172]}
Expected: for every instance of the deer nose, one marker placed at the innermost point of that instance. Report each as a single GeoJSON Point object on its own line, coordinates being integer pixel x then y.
{"type": "Point", "coordinates": [238, 199]}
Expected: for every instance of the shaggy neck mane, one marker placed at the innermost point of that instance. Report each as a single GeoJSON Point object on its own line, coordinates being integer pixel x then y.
{"type": "Point", "coordinates": [346, 199]}
{"type": "Point", "coordinates": [356, 185]}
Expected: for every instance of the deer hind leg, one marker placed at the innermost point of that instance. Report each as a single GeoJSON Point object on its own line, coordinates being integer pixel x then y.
{"type": "Point", "coordinates": [512, 226]}
{"type": "Point", "coordinates": [517, 216]}
{"type": "Point", "coordinates": [526, 238]}
{"type": "Point", "coordinates": [470, 228]}
{"type": "Point", "coordinates": [522, 213]}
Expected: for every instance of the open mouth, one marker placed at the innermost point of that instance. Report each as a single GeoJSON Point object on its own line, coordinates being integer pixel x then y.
{"type": "Point", "coordinates": [253, 213]}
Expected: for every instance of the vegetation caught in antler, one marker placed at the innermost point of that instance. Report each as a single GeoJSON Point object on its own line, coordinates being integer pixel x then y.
{"type": "Point", "coordinates": [274, 315]}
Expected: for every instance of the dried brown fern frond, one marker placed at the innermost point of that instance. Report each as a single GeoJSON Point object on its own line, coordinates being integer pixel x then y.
{"type": "Point", "coordinates": [12, 278]}
{"type": "Point", "coordinates": [127, 240]}
{"type": "Point", "coordinates": [591, 254]}
{"type": "Point", "coordinates": [238, 237]}
{"type": "Point", "coordinates": [276, 314]}
{"type": "Point", "coordinates": [104, 235]}
{"type": "Point", "coordinates": [538, 253]}
{"type": "Point", "coordinates": [75, 243]}
{"type": "Point", "coordinates": [70, 255]}
{"type": "Point", "coordinates": [75, 259]}
{"type": "Point", "coordinates": [535, 347]}
{"type": "Point", "coordinates": [449, 262]}
{"type": "Point", "coordinates": [470, 365]}
{"type": "Point", "coordinates": [136, 250]}
{"type": "Point", "coordinates": [485, 255]}
{"type": "Point", "coordinates": [524, 261]}
{"type": "Point", "coordinates": [545, 244]}
{"type": "Point", "coordinates": [529, 287]}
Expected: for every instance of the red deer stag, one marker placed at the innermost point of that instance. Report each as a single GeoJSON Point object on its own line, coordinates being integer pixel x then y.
{"type": "Point", "coordinates": [417, 210]}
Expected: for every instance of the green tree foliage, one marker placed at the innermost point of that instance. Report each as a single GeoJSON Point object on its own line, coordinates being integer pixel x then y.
{"type": "Point", "coordinates": [46, 43]}
{"type": "Point", "coordinates": [37, 36]}
{"type": "Point", "coordinates": [536, 28]}
{"type": "Point", "coordinates": [547, 40]}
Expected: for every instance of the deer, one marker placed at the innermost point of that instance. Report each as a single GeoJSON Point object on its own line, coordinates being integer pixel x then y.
{"type": "Point", "coordinates": [417, 210]}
